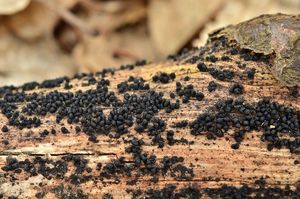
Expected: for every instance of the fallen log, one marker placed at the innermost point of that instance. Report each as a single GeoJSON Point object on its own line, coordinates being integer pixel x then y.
{"type": "Point", "coordinates": [211, 122]}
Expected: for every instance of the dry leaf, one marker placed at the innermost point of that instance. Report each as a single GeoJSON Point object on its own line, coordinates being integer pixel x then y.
{"type": "Point", "coordinates": [37, 19]}
{"type": "Point", "coordinates": [104, 6]}
{"type": "Point", "coordinates": [132, 12]}
{"type": "Point", "coordinates": [8, 7]}
{"type": "Point", "coordinates": [97, 17]}
{"type": "Point", "coordinates": [235, 11]}
{"type": "Point", "coordinates": [172, 23]}
{"type": "Point", "coordinates": [95, 53]}
{"type": "Point", "coordinates": [21, 61]}
{"type": "Point", "coordinates": [31, 23]}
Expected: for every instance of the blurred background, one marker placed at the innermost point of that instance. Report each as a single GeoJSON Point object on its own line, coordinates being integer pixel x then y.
{"type": "Point", "coordinates": [42, 39]}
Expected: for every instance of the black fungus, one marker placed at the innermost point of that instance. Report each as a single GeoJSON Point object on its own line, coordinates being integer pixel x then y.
{"type": "Point", "coordinates": [53, 83]}
{"type": "Point", "coordinates": [225, 58]}
{"type": "Point", "coordinates": [235, 145]}
{"type": "Point", "coordinates": [236, 89]}
{"type": "Point", "coordinates": [186, 78]}
{"type": "Point", "coordinates": [251, 73]}
{"type": "Point", "coordinates": [294, 92]}
{"type": "Point", "coordinates": [223, 75]}
{"type": "Point", "coordinates": [163, 77]}
{"type": "Point", "coordinates": [269, 117]}
{"type": "Point", "coordinates": [172, 95]}
{"type": "Point", "coordinates": [133, 84]}
{"type": "Point", "coordinates": [188, 92]}
{"type": "Point", "coordinates": [181, 124]}
{"type": "Point", "coordinates": [169, 191]}
{"type": "Point", "coordinates": [211, 58]}
{"type": "Point", "coordinates": [107, 196]}
{"type": "Point", "coordinates": [40, 195]}
{"type": "Point", "coordinates": [64, 130]}
{"type": "Point", "coordinates": [245, 191]}
{"type": "Point", "coordinates": [5, 129]}
{"type": "Point", "coordinates": [212, 86]}
{"type": "Point", "coordinates": [202, 67]}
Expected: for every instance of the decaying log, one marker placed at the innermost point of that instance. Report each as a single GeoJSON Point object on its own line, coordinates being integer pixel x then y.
{"type": "Point", "coordinates": [236, 132]}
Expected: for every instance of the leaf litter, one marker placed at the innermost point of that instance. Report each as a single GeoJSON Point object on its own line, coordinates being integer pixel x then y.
{"type": "Point", "coordinates": [41, 39]}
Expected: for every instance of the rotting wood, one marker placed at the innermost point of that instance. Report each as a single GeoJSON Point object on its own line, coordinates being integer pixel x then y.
{"type": "Point", "coordinates": [214, 162]}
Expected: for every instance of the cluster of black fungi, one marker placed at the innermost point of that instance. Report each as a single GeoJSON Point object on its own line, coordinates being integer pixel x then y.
{"type": "Point", "coordinates": [85, 110]}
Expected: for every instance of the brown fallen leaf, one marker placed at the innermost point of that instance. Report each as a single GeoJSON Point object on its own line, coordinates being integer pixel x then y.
{"type": "Point", "coordinates": [101, 17]}
{"type": "Point", "coordinates": [104, 6]}
{"type": "Point", "coordinates": [235, 11]}
{"type": "Point", "coordinates": [172, 23]}
{"type": "Point", "coordinates": [66, 36]}
{"type": "Point", "coordinates": [130, 12]}
{"type": "Point", "coordinates": [8, 7]}
{"type": "Point", "coordinates": [37, 19]}
{"type": "Point", "coordinates": [113, 50]}
{"type": "Point", "coordinates": [69, 17]}
{"type": "Point", "coordinates": [22, 61]}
